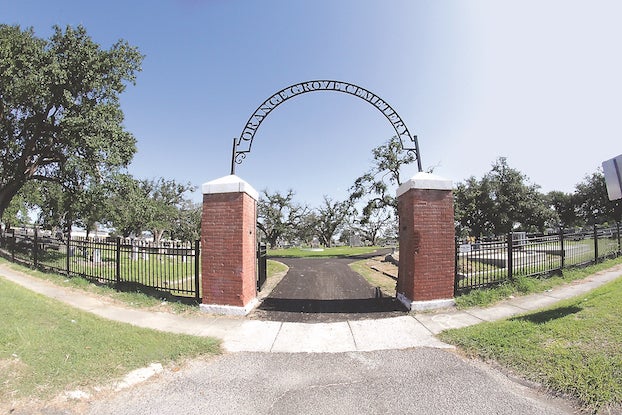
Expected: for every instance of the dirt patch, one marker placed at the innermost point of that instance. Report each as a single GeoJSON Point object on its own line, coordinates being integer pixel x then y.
{"type": "Point", "coordinates": [10, 369]}
{"type": "Point", "coordinates": [384, 266]}
{"type": "Point", "coordinates": [379, 273]}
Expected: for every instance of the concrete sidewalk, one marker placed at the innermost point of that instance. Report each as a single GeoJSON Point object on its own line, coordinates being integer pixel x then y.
{"type": "Point", "coordinates": [242, 334]}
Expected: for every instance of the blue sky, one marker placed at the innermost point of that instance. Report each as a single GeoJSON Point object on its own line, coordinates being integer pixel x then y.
{"type": "Point", "coordinates": [538, 82]}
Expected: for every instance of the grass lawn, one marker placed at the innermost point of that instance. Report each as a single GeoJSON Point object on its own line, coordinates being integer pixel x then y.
{"type": "Point", "coordinates": [47, 347]}
{"type": "Point", "coordinates": [275, 267]}
{"type": "Point", "coordinates": [573, 348]}
{"type": "Point", "coordinates": [339, 251]}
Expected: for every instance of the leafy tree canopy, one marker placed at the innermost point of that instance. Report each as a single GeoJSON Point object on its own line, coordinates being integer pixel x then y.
{"type": "Point", "coordinates": [330, 218]}
{"type": "Point", "coordinates": [60, 117]}
{"type": "Point", "coordinates": [279, 216]}
{"type": "Point", "coordinates": [592, 202]}
{"type": "Point", "coordinates": [380, 223]}
{"type": "Point", "coordinates": [564, 206]}
{"type": "Point", "coordinates": [157, 205]}
{"type": "Point", "coordinates": [502, 201]}
{"type": "Point", "coordinates": [376, 186]}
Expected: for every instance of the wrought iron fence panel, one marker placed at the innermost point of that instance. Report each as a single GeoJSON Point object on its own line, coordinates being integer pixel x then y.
{"type": "Point", "coordinates": [93, 258]}
{"type": "Point", "coordinates": [52, 254]}
{"type": "Point", "coordinates": [537, 255]}
{"type": "Point", "coordinates": [579, 248]}
{"type": "Point", "coordinates": [607, 243]}
{"type": "Point", "coordinates": [483, 264]}
{"type": "Point", "coordinates": [172, 267]}
{"type": "Point", "coordinates": [163, 267]}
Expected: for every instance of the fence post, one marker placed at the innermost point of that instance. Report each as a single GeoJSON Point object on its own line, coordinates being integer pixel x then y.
{"type": "Point", "coordinates": [595, 244]}
{"type": "Point", "coordinates": [510, 256]}
{"type": "Point", "coordinates": [68, 254]}
{"type": "Point", "coordinates": [197, 267]}
{"type": "Point", "coordinates": [35, 249]}
{"type": "Point", "coordinates": [456, 265]}
{"type": "Point", "coordinates": [618, 235]}
{"type": "Point", "coordinates": [561, 246]}
{"type": "Point", "coordinates": [117, 274]}
{"type": "Point", "coordinates": [13, 241]}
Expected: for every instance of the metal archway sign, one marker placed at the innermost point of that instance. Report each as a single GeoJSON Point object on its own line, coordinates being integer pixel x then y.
{"type": "Point", "coordinates": [243, 144]}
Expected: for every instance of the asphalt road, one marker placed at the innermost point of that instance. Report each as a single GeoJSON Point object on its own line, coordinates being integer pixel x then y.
{"type": "Point", "coordinates": [324, 290]}
{"type": "Point", "coordinates": [413, 381]}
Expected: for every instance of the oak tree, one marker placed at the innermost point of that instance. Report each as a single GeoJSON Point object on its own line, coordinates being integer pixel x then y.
{"type": "Point", "coordinates": [593, 204]}
{"type": "Point", "coordinates": [376, 187]}
{"type": "Point", "coordinates": [60, 116]}
{"type": "Point", "coordinates": [502, 201]}
{"type": "Point", "coordinates": [278, 215]}
{"type": "Point", "coordinates": [330, 217]}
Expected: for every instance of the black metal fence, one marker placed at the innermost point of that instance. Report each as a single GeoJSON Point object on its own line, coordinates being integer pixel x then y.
{"type": "Point", "coordinates": [487, 263]}
{"type": "Point", "coordinates": [171, 268]}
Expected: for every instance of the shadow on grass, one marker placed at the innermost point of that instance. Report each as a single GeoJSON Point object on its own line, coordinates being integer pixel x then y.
{"type": "Point", "coordinates": [548, 315]}
{"type": "Point", "coordinates": [154, 292]}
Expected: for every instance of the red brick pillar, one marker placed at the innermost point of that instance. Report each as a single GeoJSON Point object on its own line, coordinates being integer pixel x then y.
{"type": "Point", "coordinates": [228, 246]}
{"type": "Point", "coordinates": [427, 247]}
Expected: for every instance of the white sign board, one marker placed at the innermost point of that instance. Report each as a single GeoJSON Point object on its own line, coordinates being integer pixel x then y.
{"type": "Point", "coordinates": [465, 248]}
{"type": "Point", "coordinates": [613, 177]}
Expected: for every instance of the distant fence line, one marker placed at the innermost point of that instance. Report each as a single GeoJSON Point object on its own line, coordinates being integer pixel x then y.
{"type": "Point", "coordinates": [173, 268]}
{"type": "Point", "coordinates": [482, 264]}
{"type": "Point", "coordinates": [170, 268]}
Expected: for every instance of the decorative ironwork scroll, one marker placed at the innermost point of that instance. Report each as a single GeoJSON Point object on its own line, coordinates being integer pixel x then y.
{"type": "Point", "coordinates": [242, 145]}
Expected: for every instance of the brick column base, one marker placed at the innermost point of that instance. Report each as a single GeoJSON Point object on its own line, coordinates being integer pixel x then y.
{"type": "Point", "coordinates": [228, 246]}
{"type": "Point", "coordinates": [427, 248]}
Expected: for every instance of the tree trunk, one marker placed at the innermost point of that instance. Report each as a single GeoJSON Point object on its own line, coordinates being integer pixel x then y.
{"type": "Point", "coordinates": [6, 195]}
{"type": "Point", "coordinates": [157, 236]}
{"type": "Point", "coordinates": [272, 238]}
{"type": "Point", "coordinates": [272, 242]}
{"type": "Point", "coordinates": [327, 240]}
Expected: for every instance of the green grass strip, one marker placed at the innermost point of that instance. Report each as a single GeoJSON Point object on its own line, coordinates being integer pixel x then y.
{"type": "Point", "coordinates": [275, 267]}
{"type": "Point", "coordinates": [574, 348]}
{"type": "Point", "coordinates": [339, 251]}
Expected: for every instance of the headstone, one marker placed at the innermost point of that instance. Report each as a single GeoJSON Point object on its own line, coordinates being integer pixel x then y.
{"type": "Point", "coordinates": [355, 240]}
{"type": "Point", "coordinates": [97, 256]}
{"type": "Point", "coordinates": [465, 248]}
{"type": "Point", "coordinates": [519, 239]}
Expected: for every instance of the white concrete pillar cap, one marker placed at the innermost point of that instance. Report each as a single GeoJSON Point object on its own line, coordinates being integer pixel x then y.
{"type": "Point", "coordinates": [229, 184]}
{"type": "Point", "coordinates": [423, 180]}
